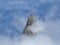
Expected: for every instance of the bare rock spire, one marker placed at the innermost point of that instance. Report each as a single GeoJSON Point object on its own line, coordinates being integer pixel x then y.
{"type": "Point", "coordinates": [30, 21]}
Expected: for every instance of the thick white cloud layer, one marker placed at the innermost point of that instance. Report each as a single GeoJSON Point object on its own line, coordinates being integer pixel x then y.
{"type": "Point", "coordinates": [26, 40]}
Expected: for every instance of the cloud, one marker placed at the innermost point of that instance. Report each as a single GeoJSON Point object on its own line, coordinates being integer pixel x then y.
{"type": "Point", "coordinates": [49, 27]}
{"type": "Point", "coordinates": [39, 39]}
{"type": "Point", "coordinates": [52, 12]}
{"type": "Point", "coordinates": [52, 24]}
{"type": "Point", "coordinates": [37, 26]}
{"type": "Point", "coordinates": [26, 40]}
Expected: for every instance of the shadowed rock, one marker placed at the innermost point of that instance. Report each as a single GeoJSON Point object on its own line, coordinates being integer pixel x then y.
{"type": "Point", "coordinates": [30, 21]}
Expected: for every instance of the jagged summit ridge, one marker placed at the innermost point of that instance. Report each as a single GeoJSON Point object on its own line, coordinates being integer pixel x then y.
{"type": "Point", "coordinates": [31, 19]}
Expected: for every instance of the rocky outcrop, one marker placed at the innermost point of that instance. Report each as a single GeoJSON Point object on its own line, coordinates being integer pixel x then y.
{"type": "Point", "coordinates": [30, 21]}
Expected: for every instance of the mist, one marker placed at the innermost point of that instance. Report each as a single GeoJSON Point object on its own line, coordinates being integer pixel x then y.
{"type": "Point", "coordinates": [42, 36]}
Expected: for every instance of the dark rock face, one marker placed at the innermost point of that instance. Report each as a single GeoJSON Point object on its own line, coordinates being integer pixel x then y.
{"type": "Point", "coordinates": [30, 21]}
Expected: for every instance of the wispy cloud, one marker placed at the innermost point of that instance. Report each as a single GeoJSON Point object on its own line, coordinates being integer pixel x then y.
{"type": "Point", "coordinates": [39, 39]}
{"type": "Point", "coordinates": [49, 29]}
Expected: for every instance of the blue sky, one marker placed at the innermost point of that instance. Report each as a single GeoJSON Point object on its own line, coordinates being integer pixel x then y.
{"type": "Point", "coordinates": [14, 14]}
